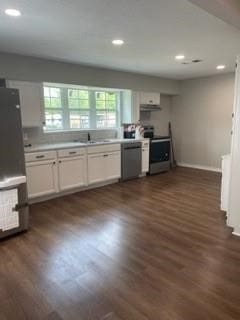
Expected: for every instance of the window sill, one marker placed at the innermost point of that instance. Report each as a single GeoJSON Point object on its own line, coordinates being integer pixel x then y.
{"type": "Point", "coordinates": [79, 130]}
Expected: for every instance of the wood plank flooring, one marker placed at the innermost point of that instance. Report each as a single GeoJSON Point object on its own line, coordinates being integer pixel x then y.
{"type": "Point", "coordinates": [156, 248]}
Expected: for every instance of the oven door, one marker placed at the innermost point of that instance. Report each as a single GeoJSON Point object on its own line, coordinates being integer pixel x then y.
{"type": "Point", "coordinates": [159, 150]}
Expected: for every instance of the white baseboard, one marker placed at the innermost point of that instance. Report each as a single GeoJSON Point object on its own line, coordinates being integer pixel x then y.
{"type": "Point", "coordinates": [236, 234]}
{"type": "Point", "coordinates": [196, 166]}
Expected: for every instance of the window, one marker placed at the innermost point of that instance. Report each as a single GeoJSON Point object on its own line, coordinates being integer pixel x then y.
{"type": "Point", "coordinates": [53, 108]}
{"type": "Point", "coordinates": [75, 108]}
{"type": "Point", "coordinates": [106, 109]}
{"type": "Point", "coordinates": [79, 109]}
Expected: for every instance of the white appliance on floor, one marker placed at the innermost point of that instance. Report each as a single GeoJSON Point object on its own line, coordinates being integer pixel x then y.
{"type": "Point", "coordinates": [226, 165]}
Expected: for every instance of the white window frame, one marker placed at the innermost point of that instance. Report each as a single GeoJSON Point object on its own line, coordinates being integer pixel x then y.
{"type": "Point", "coordinates": [92, 107]}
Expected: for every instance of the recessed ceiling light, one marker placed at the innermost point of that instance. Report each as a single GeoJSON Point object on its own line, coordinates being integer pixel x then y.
{"type": "Point", "coordinates": [180, 57]}
{"type": "Point", "coordinates": [221, 67]}
{"type": "Point", "coordinates": [118, 42]}
{"type": "Point", "coordinates": [13, 12]}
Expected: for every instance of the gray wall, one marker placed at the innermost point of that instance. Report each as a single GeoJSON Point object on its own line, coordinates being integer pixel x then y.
{"type": "Point", "coordinates": [201, 119]}
{"type": "Point", "coordinates": [17, 67]}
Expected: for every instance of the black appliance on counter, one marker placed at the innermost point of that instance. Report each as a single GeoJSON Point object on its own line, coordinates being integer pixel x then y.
{"type": "Point", "coordinates": [159, 155]}
{"type": "Point", "coordinates": [129, 130]}
{"type": "Point", "coordinates": [148, 132]}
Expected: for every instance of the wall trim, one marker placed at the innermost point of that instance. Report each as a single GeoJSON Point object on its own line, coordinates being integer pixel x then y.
{"type": "Point", "coordinates": [198, 166]}
{"type": "Point", "coordinates": [236, 234]}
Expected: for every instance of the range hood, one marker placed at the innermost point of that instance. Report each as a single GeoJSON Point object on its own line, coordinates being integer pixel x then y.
{"type": "Point", "coordinates": [150, 107]}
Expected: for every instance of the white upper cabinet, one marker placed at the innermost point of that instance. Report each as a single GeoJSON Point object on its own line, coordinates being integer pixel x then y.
{"type": "Point", "coordinates": [149, 98]}
{"type": "Point", "coordinates": [31, 102]}
{"type": "Point", "coordinates": [130, 106]}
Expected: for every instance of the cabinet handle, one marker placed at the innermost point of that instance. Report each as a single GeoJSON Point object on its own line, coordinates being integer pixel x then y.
{"type": "Point", "coordinates": [54, 162]}
{"type": "Point", "coordinates": [72, 152]}
{"type": "Point", "coordinates": [59, 161]}
{"type": "Point", "coordinates": [40, 157]}
{"type": "Point", "coordinates": [106, 155]}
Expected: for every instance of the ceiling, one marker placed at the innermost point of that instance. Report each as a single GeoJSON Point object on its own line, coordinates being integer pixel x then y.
{"type": "Point", "coordinates": [154, 31]}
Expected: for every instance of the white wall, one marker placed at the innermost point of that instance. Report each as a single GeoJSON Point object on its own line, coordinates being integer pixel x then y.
{"type": "Point", "coordinates": [201, 120]}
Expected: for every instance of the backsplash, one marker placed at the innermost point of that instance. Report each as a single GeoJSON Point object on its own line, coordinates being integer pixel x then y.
{"type": "Point", "coordinates": [37, 136]}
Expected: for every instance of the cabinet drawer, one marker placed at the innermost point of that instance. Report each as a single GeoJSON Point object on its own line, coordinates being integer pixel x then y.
{"type": "Point", "coordinates": [38, 156]}
{"type": "Point", "coordinates": [71, 152]}
{"type": "Point", "coordinates": [104, 148]}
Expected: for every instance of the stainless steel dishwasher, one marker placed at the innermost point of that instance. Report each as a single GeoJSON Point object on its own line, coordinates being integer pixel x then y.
{"type": "Point", "coordinates": [131, 160]}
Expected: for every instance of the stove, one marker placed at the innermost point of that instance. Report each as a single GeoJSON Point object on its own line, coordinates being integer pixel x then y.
{"type": "Point", "coordinates": [160, 146]}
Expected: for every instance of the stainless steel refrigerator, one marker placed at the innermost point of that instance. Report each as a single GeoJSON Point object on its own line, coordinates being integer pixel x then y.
{"type": "Point", "coordinates": [13, 188]}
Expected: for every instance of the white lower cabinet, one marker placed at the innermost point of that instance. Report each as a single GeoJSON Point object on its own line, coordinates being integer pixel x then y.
{"type": "Point", "coordinates": [113, 165]}
{"type": "Point", "coordinates": [102, 167]}
{"type": "Point", "coordinates": [41, 178]}
{"type": "Point", "coordinates": [96, 168]}
{"type": "Point", "coordinates": [105, 164]}
{"type": "Point", "coordinates": [72, 172]}
{"type": "Point", "coordinates": [51, 172]}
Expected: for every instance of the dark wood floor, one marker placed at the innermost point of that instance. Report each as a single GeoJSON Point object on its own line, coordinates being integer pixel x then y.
{"type": "Point", "coordinates": [155, 248]}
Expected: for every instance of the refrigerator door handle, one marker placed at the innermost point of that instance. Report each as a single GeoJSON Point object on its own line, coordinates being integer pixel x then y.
{"type": "Point", "coordinates": [12, 182]}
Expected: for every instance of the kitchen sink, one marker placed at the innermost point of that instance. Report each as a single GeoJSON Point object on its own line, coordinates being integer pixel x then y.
{"type": "Point", "coordinates": [94, 141]}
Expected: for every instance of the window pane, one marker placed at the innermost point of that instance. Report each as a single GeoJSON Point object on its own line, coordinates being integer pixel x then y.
{"type": "Point", "coordinates": [111, 104]}
{"type": "Point", "coordinates": [52, 97]}
{"type": "Point", "coordinates": [100, 95]}
{"type": "Point", "coordinates": [47, 102]}
{"type": "Point", "coordinates": [55, 102]}
{"type": "Point", "coordinates": [73, 103]}
{"type": "Point", "coordinates": [78, 99]}
{"type": "Point", "coordinates": [84, 104]}
{"type": "Point", "coordinates": [106, 119]}
{"type": "Point", "coordinates": [101, 119]}
{"type": "Point", "coordinates": [100, 104]}
{"type": "Point", "coordinates": [55, 92]}
{"type": "Point", "coordinates": [53, 119]}
{"type": "Point", "coordinates": [111, 96]}
{"type": "Point", "coordinates": [79, 120]}
{"type": "Point", "coordinates": [83, 94]}
{"type": "Point", "coordinates": [46, 92]}
{"type": "Point", "coordinates": [111, 120]}
{"type": "Point", "coordinates": [72, 93]}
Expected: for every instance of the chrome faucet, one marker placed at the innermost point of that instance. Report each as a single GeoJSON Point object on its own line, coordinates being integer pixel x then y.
{"type": "Point", "coordinates": [89, 137]}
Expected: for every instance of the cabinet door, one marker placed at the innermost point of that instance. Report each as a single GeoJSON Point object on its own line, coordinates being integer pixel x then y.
{"type": "Point", "coordinates": [41, 178]}
{"type": "Point", "coordinates": [96, 168]}
{"type": "Point", "coordinates": [130, 107]}
{"type": "Point", "coordinates": [135, 107]}
{"type": "Point", "coordinates": [31, 102]}
{"type": "Point", "coordinates": [145, 159]}
{"type": "Point", "coordinates": [113, 165]}
{"type": "Point", "coordinates": [72, 172]}
{"type": "Point", "coordinates": [150, 98]}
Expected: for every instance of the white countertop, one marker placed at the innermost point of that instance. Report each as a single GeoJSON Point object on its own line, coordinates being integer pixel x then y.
{"type": "Point", "coordinates": [67, 145]}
